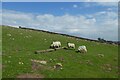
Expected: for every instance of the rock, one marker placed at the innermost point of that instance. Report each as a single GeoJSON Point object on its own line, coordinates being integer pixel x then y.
{"type": "Point", "coordinates": [21, 63]}
{"type": "Point", "coordinates": [58, 66]}
{"type": "Point", "coordinates": [38, 61]}
{"type": "Point", "coordinates": [61, 59]}
{"type": "Point", "coordinates": [13, 39]}
{"type": "Point", "coordinates": [109, 69]}
{"type": "Point", "coordinates": [43, 62]}
{"type": "Point", "coordinates": [9, 35]}
{"type": "Point", "coordinates": [100, 55]}
{"type": "Point", "coordinates": [89, 62]}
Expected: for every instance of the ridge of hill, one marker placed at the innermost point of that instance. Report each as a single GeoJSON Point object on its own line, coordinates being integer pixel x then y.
{"type": "Point", "coordinates": [103, 41]}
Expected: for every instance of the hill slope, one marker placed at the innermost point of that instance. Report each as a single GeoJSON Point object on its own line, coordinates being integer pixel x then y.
{"type": "Point", "coordinates": [19, 46]}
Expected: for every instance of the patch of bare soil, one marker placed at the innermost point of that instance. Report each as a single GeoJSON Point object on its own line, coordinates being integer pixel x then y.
{"type": "Point", "coordinates": [37, 66]}
{"type": "Point", "coordinates": [30, 76]}
{"type": "Point", "coordinates": [2, 66]}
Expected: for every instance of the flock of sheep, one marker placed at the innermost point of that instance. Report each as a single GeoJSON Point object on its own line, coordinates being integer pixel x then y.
{"type": "Point", "coordinates": [57, 44]}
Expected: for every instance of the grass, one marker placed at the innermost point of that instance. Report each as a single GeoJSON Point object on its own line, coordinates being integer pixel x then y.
{"type": "Point", "coordinates": [18, 48]}
{"type": "Point", "coordinates": [0, 52]}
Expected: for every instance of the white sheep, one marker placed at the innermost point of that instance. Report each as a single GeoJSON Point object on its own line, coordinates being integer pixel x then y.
{"type": "Point", "coordinates": [55, 44]}
{"type": "Point", "coordinates": [70, 45]}
{"type": "Point", "coordinates": [82, 49]}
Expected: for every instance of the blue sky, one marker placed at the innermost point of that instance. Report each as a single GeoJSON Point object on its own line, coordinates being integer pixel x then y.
{"type": "Point", "coordinates": [57, 8]}
{"type": "Point", "coordinates": [85, 19]}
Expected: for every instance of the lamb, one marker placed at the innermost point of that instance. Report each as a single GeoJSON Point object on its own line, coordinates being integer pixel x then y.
{"type": "Point", "coordinates": [82, 49]}
{"type": "Point", "coordinates": [55, 44]}
{"type": "Point", "coordinates": [70, 45]}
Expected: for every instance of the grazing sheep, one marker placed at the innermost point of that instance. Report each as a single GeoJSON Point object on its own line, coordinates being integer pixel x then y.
{"type": "Point", "coordinates": [82, 49]}
{"type": "Point", "coordinates": [70, 45]}
{"type": "Point", "coordinates": [55, 44]}
{"type": "Point", "coordinates": [51, 46]}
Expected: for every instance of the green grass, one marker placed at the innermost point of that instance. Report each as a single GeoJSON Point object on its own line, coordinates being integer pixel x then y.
{"type": "Point", "coordinates": [0, 52]}
{"type": "Point", "coordinates": [22, 49]}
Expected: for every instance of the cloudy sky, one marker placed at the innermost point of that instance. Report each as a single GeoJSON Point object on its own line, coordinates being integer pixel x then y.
{"type": "Point", "coordinates": [84, 19]}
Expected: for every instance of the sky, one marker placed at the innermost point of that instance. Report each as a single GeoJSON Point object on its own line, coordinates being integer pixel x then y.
{"type": "Point", "coordinates": [83, 19]}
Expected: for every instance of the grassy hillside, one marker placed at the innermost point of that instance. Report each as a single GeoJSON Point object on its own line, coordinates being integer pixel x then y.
{"type": "Point", "coordinates": [0, 52]}
{"type": "Point", "coordinates": [19, 46]}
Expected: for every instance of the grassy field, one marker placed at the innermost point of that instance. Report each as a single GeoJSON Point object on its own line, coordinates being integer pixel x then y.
{"type": "Point", "coordinates": [19, 45]}
{"type": "Point", "coordinates": [0, 52]}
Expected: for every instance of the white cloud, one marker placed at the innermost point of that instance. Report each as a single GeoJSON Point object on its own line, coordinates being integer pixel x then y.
{"type": "Point", "coordinates": [62, 8]}
{"type": "Point", "coordinates": [60, 1]}
{"type": "Point", "coordinates": [108, 3]}
{"type": "Point", "coordinates": [109, 9]}
{"type": "Point", "coordinates": [100, 0]}
{"type": "Point", "coordinates": [75, 6]}
{"type": "Point", "coordinates": [101, 24]}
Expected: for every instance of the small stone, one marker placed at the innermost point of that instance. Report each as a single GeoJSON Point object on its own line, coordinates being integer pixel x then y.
{"type": "Point", "coordinates": [9, 56]}
{"type": "Point", "coordinates": [9, 34]}
{"type": "Point", "coordinates": [58, 66]}
{"type": "Point", "coordinates": [109, 69]}
{"type": "Point", "coordinates": [9, 61]}
{"type": "Point", "coordinates": [13, 39]}
{"type": "Point", "coordinates": [43, 62]}
{"type": "Point", "coordinates": [20, 62]}
{"type": "Point", "coordinates": [100, 55]}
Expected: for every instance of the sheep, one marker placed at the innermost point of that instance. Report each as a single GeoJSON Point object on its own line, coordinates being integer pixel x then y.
{"type": "Point", "coordinates": [58, 43]}
{"type": "Point", "coordinates": [51, 46]}
{"type": "Point", "coordinates": [55, 44]}
{"type": "Point", "coordinates": [82, 49]}
{"type": "Point", "coordinates": [70, 45]}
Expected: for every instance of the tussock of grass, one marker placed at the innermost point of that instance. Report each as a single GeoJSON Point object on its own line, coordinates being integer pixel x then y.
{"type": "Point", "coordinates": [25, 42]}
